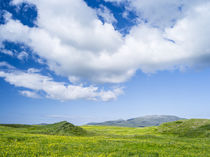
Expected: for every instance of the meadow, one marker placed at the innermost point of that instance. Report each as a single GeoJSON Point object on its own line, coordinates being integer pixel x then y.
{"type": "Point", "coordinates": [187, 138]}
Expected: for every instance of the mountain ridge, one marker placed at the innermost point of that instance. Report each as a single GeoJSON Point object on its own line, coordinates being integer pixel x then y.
{"type": "Point", "coordinates": [143, 121]}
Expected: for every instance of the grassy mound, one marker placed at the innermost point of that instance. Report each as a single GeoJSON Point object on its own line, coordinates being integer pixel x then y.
{"type": "Point", "coordinates": [187, 128]}
{"type": "Point", "coordinates": [61, 128]}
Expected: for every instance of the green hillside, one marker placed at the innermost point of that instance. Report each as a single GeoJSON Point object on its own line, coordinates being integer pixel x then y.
{"type": "Point", "coordinates": [178, 139]}
{"type": "Point", "coordinates": [61, 128]}
{"type": "Point", "coordinates": [153, 120]}
{"type": "Point", "coordinates": [187, 128]}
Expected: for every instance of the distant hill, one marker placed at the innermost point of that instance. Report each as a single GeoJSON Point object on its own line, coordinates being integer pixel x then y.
{"type": "Point", "coordinates": [152, 120]}
{"type": "Point", "coordinates": [42, 124]}
{"type": "Point", "coordinates": [186, 128]}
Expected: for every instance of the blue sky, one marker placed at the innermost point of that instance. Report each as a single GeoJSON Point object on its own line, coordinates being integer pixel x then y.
{"type": "Point", "coordinates": [85, 61]}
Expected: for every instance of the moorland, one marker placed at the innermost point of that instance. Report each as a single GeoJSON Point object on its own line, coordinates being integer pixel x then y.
{"type": "Point", "coordinates": [189, 138]}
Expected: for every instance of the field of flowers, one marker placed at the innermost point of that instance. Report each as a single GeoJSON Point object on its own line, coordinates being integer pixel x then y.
{"type": "Point", "coordinates": [104, 141]}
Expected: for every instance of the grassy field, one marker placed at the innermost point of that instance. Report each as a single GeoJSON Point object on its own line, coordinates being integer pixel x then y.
{"type": "Point", "coordinates": [182, 138]}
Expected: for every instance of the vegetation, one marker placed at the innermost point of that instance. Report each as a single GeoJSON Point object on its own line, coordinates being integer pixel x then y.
{"type": "Point", "coordinates": [187, 128]}
{"type": "Point", "coordinates": [144, 121]}
{"type": "Point", "coordinates": [62, 128]}
{"type": "Point", "coordinates": [178, 138]}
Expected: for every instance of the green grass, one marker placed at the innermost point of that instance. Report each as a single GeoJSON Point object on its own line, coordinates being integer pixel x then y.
{"type": "Point", "coordinates": [187, 128]}
{"type": "Point", "coordinates": [104, 141]}
{"type": "Point", "coordinates": [62, 128]}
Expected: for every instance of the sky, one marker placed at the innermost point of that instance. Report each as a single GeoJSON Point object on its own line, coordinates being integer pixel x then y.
{"type": "Point", "coordinates": [96, 60]}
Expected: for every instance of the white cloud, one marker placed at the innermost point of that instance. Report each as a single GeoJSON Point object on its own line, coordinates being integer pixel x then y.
{"type": "Point", "coordinates": [76, 44]}
{"type": "Point", "coordinates": [74, 79]}
{"type": "Point", "coordinates": [33, 70]}
{"type": "Point", "coordinates": [4, 50]}
{"type": "Point", "coordinates": [30, 94]}
{"type": "Point", "coordinates": [7, 15]}
{"type": "Point", "coordinates": [125, 14]}
{"type": "Point", "coordinates": [6, 65]}
{"type": "Point", "coordinates": [116, 1]}
{"type": "Point", "coordinates": [106, 14]}
{"type": "Point", "coordinates": [36, 82]}
{"type": "Point", "coordinates": [14, 31]}
{"type": "Point", "coordinates": [22, 55]}
{"type": "Point", "coordinates": [7, 52]}
{"type": "Point", "coordinates": [160, 13]}
{"type": "Point", "coordinates": [76, 38]}
{"type": "Point", "coordinates": [110, 95]}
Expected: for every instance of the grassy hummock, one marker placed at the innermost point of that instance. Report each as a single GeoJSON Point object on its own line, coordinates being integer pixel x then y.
{"type": "Point", "coordinates": [187, 128]}
{"type": "Point", "coordinates": [61, 128]}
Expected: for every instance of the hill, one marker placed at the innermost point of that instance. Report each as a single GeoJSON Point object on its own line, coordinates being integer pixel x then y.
{"type": "Point", "coordinates": [60, 128]}
{"type": "Point", "coordinates": [186, 128]}
{"type": "Point", "coordinates": [153, 120]}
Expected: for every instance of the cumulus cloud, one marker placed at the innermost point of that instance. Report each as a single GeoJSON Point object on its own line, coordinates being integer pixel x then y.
{"type": "Point", "coordinates": [36, 82]}
{"type": "Point", "coordinates": [160, 13]}
{"type": "Point", "coordinates": [74, 43]}
{"type": "Point", "coordinates": [76, 37]}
